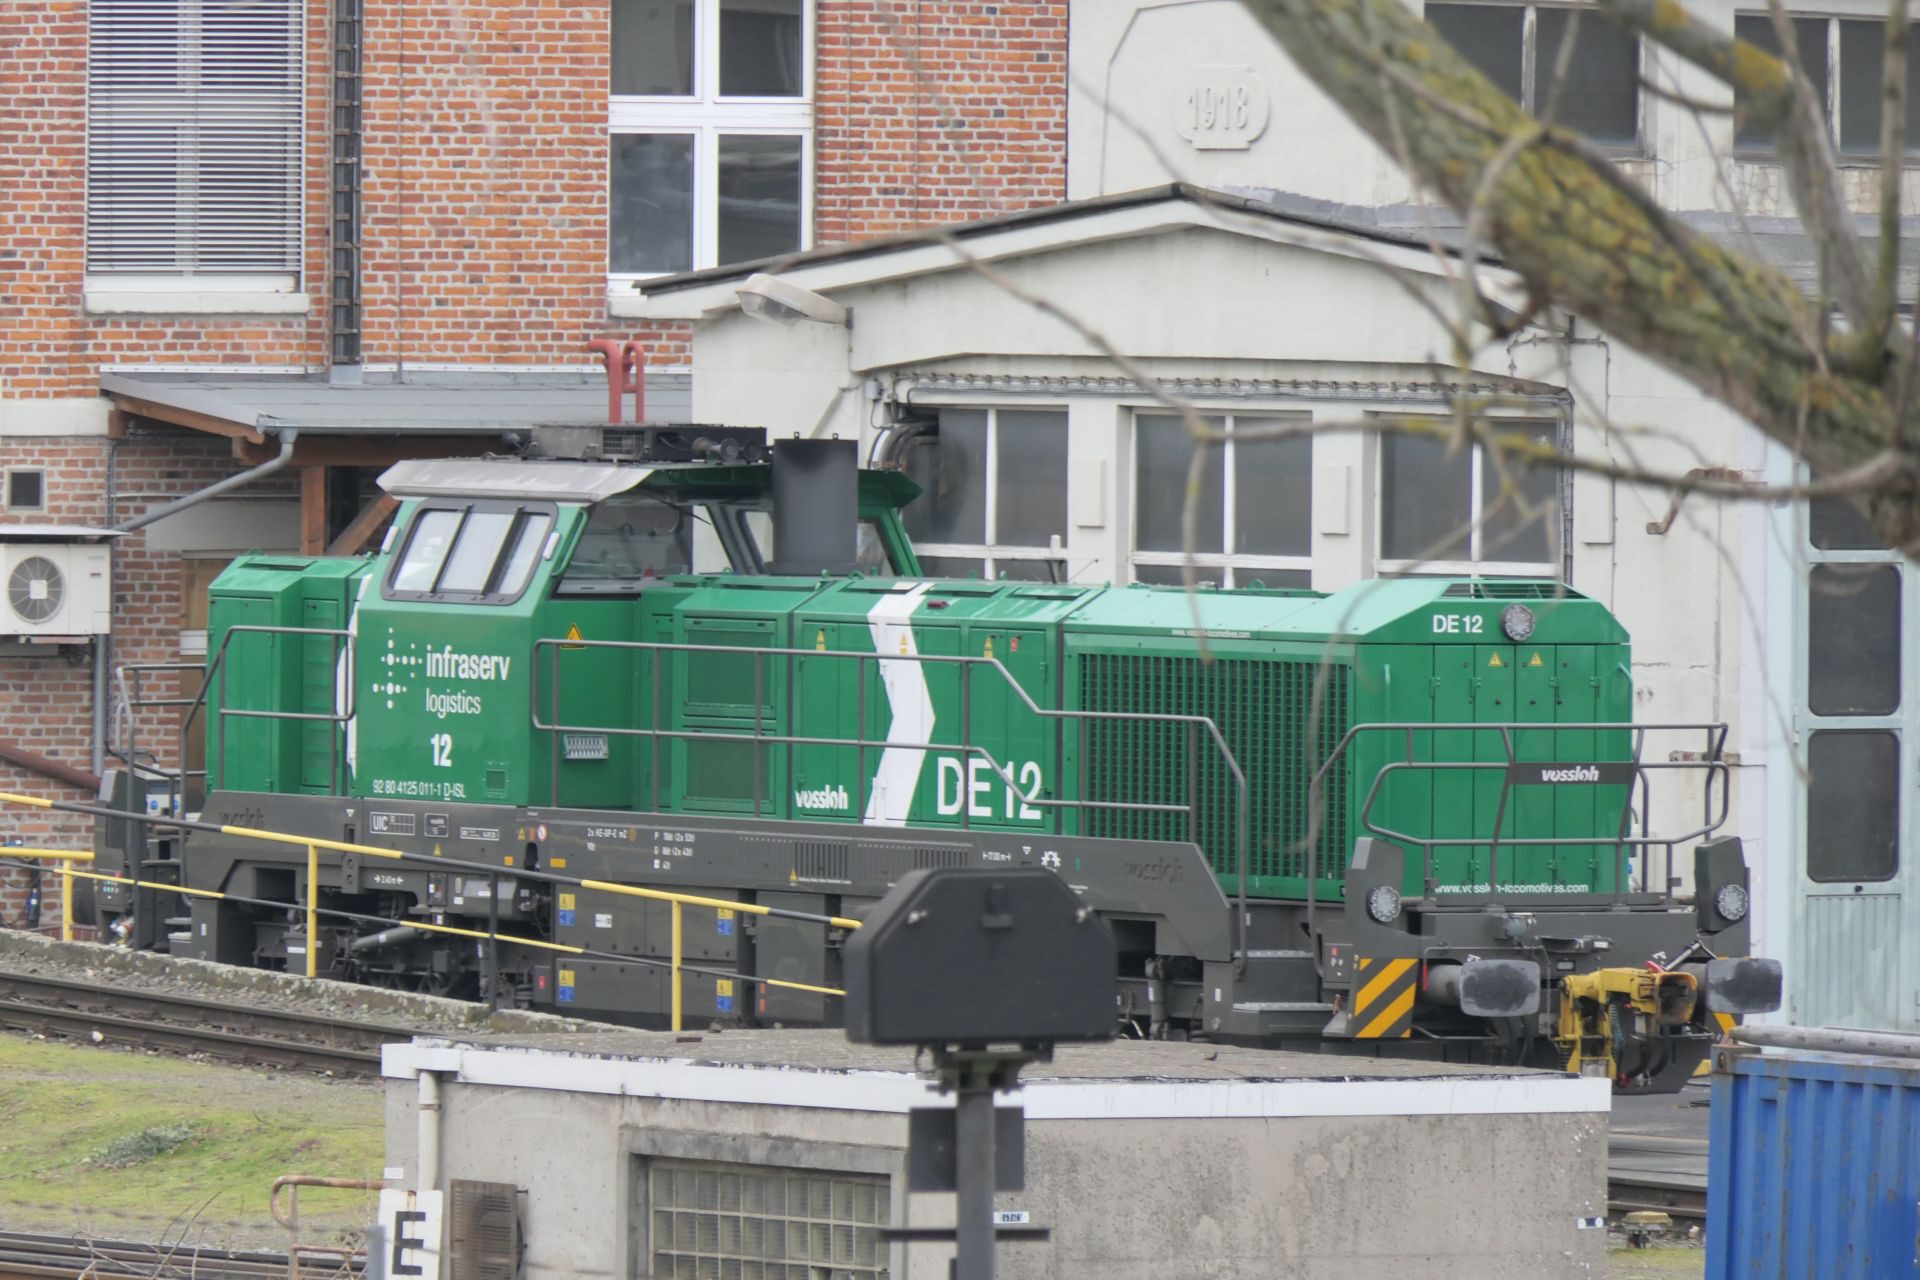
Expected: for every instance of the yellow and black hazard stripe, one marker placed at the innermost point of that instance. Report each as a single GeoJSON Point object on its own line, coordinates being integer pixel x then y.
{"type": "Point", "coordinates": [1383, 999]}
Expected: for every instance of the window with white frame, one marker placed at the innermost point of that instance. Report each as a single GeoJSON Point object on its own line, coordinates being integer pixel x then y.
{"type": "Point", "coordinates": [993, 497]}
{"type": "Point", "coordinates": [710, 132]}
{"type": "Point", "coordinates": [1253, 514]}
{"type": "Point", "coordinates": [1517, 47]}
{"type": "Point", "coordinates": [194, 141]}
{"type": "Point", "coordinates": [1452, 511]}
{"type": "Point", "coordinates": [1851, 100]}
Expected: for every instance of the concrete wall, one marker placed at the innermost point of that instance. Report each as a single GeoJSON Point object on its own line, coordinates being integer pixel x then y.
{"type": "Point", "coordinates": [1293, 1178]}
{"type": "Point", "coordinates": [1135, 65]}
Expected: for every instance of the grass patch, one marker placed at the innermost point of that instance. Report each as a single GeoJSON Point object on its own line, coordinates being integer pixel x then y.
{"type": "Point", "coordinates": [142, 1146]}
{"type": "Point", "coordinates": [136, 1146]}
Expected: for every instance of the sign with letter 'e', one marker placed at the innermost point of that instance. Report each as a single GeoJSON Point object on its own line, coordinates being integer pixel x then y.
{"type": "Point", "coordinates": [413, 1223]}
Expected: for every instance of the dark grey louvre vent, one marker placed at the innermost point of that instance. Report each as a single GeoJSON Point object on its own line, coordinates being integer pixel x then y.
{"type": "Point", "coordinates": [484, 1230]}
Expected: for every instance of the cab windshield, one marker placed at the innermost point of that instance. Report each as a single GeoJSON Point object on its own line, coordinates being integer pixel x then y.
{"type": "Point", "coordinates": [634, 536]}
{"type": "Point", "coordinates": [639, 536]}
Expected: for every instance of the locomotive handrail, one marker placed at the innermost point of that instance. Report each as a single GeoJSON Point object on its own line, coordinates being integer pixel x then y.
{"type": "Point", "coordinates": [131, 699]}
{"type": "Point", "coordinates": [1712, 762]}
{"type": "Point", "coordinates": [966, 663]}
{"type": "Point", "coordinates": [216, 666]}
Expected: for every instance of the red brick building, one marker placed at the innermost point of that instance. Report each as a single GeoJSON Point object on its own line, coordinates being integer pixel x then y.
{"type": "Point", "coordinates": [310, 236]}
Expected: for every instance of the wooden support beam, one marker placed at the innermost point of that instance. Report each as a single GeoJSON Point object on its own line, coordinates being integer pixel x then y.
{"type": "Point", "coordinates": [313, 511]}
{"type": "Point", "coordinates": [371, 517]}
{"type": "Point", "coordinates": [188, 418]}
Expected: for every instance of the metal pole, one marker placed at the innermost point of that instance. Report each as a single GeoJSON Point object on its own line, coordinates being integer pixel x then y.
{"type": "Point", "coordinates": [676, 965]}
{"type": "Point", "coordinates": [973, 1133]}
{"type": "Point", "coordinates": [313, 910]}
{"type": "Point", "coordinates": [66, 900]}
{"type": "Point", "coordinates": [966, 743]}
{"type": "Point", "coordinates": [490, 976]}
{"type": "Point", "coordinates": [759, 764]}
{"type": "Point", "coordinates": [1886, 1044]}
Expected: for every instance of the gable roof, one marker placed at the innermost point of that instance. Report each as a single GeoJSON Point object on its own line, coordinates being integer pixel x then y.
{"type": "Point", "coordinates": [1177, 206]}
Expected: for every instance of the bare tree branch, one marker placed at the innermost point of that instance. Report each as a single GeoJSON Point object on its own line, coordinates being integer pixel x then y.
{"type": "Point", "coordinates": [1563, 220]}
{"type": "Point", "coordinates": [1773, 92]}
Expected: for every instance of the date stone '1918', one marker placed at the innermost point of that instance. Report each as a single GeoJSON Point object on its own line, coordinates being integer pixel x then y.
{"type": "Point", "coordinates": [1221, 108]}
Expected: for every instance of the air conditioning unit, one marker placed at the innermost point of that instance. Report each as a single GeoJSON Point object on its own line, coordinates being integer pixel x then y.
{"type": "Point", "coordinates": [56, 583]}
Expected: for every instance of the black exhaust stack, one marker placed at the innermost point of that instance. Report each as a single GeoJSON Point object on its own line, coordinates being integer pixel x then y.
{"type": "Point", "coordinates": [816, 508]}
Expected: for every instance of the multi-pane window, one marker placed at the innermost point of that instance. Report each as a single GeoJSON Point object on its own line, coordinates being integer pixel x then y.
{"type": "Point", "coordinates": [710, 126]}
{"type": "Point", "coordinates": [193, 140]}
{"type": "Point", "coordinates": [1452, 511]}
{"type": "Point", "coordinates": [993, 494]}
{"type": "Point", "coordinates": [1851, 100]}
{"type": "Point", "coordinates": [1854, 645]}
{"type": "Point", "coordinates": [1518, 46]}
{"type": "Point", "coordinates": [479, 552]}
{"type": "Point", "coordinates": [1252, 514]}
{"type": "Point", "coordinates": [710, 1220]}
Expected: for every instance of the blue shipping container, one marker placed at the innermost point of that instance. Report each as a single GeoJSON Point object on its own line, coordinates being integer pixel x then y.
{"type": "Point", "coordinates": [1814, 1167]}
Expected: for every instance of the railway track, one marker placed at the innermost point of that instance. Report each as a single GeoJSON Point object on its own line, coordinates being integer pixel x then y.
{"type": "Point", "coordinates": [1646, 1171]}
{"type": "Point", "coordinates": [25, 1256]}
{"type": "Point", "coordinates": [187, 1024]}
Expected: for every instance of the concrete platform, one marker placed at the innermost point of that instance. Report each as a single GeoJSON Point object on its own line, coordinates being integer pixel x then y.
{"type": "Point", "coordinates": [641, 1155]}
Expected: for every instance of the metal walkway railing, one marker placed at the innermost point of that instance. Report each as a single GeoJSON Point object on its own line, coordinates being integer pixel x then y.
{"type": "Point", "coordinates": [310, 906]}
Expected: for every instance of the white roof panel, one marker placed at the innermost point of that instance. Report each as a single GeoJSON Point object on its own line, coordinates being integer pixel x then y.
{"type": "Point", "coordinates": [510, 478]}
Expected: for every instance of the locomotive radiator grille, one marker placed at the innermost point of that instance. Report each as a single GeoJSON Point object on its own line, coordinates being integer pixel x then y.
{"type": "Point", "coordinates": [1265, 710]}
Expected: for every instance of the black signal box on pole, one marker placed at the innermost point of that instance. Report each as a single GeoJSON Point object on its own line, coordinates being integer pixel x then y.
{"type": "Point", "coordinates": [963, 957]}
{"type": "Point", "coordinates": [988, 970]}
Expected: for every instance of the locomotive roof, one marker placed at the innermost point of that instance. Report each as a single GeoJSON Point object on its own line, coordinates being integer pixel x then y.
{"type": "Point", "coordinates": [589, 482]}
{"type": "Point", "coordinates": [1392, 609]}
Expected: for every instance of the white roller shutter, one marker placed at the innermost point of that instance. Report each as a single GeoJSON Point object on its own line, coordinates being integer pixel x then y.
{"type": "Point", "coordinates": [193, 136]}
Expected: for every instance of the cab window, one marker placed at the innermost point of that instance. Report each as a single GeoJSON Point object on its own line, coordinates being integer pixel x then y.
{"type": "Point", "coordinates": [635, 537]}
{"type": "Point", "coordinates": [473, 552]}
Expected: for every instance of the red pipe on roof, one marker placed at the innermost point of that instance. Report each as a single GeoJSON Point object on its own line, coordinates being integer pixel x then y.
{"type": "Point", "coordinates": [626, 366]}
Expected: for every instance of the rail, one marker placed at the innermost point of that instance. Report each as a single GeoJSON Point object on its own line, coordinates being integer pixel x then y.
{"type": "Point", "coordinates": [1711, 761]}
{"type": "Point", "coordinates": [966, 663]}
{"type": "Point", "coordinates": [309, 903]}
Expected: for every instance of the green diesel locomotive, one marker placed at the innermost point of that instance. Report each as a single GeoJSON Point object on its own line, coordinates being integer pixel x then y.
{"type": "Point", "coordinates": [1411, 817]}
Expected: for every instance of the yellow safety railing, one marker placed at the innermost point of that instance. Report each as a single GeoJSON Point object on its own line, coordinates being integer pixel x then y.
{"type": "Point", "coordinates": [66, 858]}
{"type": "Point", "coordinates": [314, 844]}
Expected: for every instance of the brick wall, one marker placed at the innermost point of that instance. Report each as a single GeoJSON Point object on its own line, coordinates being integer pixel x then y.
{"type": "Point", "coordinates": [485, 194]}
{"type": "Point", "coordinates": [930, 111]}
{"type": "Point", "coordinates": [49, 345]}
